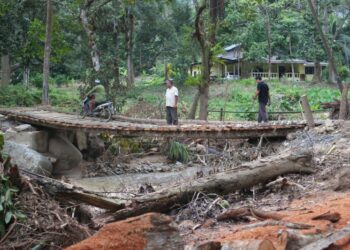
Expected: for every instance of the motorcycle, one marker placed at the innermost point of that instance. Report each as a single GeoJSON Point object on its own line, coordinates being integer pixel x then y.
{"type": "Point", "coordinates": [104, 110]}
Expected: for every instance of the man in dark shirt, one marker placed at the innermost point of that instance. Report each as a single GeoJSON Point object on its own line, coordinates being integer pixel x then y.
{"type": "Point", "coordinates": [263, 94]}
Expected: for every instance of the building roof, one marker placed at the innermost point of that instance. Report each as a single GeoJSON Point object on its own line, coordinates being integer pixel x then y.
{"type": "Point", "coordinates": [232, 53]}
{"type": "Point", "coordinates": [232, 46]}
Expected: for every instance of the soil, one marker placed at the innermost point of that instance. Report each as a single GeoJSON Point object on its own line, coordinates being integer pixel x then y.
{"type": "Point", "coordinates": [299, 211]}
{"type": "Point", "coordinates": [47, 224]}
{"type": "Point", "coordinates": [307, 196]}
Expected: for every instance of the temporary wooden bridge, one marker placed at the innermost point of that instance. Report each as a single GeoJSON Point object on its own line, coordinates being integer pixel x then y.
{"type": "Point", "coordinates": [131, 127]}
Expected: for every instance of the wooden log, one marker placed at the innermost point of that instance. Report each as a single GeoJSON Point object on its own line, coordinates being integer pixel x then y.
{"type": "Point", "coordinates": [343, 113]}
{"type": "Point", "coordinates": [234, 245]}
{"type": "Point", "coordinates": [150, 231]}
{"type": "Point", "coordinates": [307, 111]}
{"type": "Point", "coordinates": [67, 191]}
{"type": "Point", "coordinates": [246, 176]}
{"type": "Point", "coordinates": [248, 245]}
{"type": "Point", "coordinates": [329, 239]}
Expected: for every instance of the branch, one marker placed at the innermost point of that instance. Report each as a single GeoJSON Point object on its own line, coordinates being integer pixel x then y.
{"type": "Point", "coordinates": [339, 29]}
{"type": "Point", "coordinates": [198, 33]}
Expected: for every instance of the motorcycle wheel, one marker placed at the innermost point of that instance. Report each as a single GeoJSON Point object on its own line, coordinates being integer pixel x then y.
{"type": "Point", "coordinates": [105, 115]}
{"type": "Point", "coordinates": [81, 113]}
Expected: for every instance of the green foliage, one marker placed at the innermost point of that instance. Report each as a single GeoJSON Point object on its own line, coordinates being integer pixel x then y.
{"type": "Point", "coordinates": [19, 95]}
{"type": "Point", "coordinates": [178, 152]}
{"type": "Point", "coordinates": [344, 73]}
{"type": "Point", "coordinates": [8, 209]}
{"type": "Point", "coordinates": [193, 80]}
{"type": "Point", "coordinates": [37, 80]}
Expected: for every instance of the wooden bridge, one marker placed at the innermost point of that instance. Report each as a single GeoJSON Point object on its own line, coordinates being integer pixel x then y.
{"type": "Point", "coordinates": [131, 127]}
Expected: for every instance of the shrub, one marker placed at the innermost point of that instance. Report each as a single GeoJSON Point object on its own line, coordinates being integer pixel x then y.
{"type": "Point", "coordinates": [8, 209]}
{"type": "Point", "coordinates": [178, 152]}
{"type": "Point", "coordinates": [61, 80]}
{"type": "Point", "coordinates": [344, 73]}
{"type": "Point", "coordinates": [193, 81]}
{"type": "Point", "coordinates": [37, 80]}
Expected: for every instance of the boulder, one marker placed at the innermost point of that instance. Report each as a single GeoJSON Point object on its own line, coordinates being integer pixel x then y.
{"type": "Point", "coordinates": [149, 231]}
{"type": "Point", "coordinates": [82, 140]}
{"type": "Point", "coordinates": [37, 140]}
{"type": "Point", "coordinates": [67, 155]}
{"type": "Point", "coordinates": [96, 147]}
{"type": "Point", "coordinates": [8, 125]}
{"type": "Point", "coordinates": [24, 127]}
{"type": "Point", "coordinates": [28, 159]}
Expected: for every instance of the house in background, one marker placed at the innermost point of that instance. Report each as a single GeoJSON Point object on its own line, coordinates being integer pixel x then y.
{"type": "Point", "coordinates": [234, 66]}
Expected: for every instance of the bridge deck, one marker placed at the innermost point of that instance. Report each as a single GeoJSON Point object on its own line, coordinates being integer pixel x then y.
{"type": "Point", "coordinates": [122, 127]}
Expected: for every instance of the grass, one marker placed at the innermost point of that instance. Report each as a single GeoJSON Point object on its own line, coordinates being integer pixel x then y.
{"type": "Point", "coordinates": [231, 95]}
{"type": "Point", "coordinates": [237, 96]}
{"type": "Point", "coordinates": [64, 99]}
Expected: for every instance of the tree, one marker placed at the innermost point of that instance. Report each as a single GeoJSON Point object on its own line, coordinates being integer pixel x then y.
{"type": "Point", "coordinates": [205, 33]}
{"type": "Point", "coordinates": [334, 76]}
{"type": "Point", "coordinates": [89, 29]}
{"type": "Point", "coordinates": [128, 28]}
{"type": "Point", "coordinates": [47, 52]}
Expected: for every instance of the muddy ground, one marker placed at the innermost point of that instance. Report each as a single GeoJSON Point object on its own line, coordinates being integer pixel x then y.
{"type": "Point", "coordinates": [298, 198]}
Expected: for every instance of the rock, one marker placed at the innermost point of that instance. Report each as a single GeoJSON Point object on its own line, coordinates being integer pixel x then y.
{"type": "Point", "coordinates": [148, 231]}
{"type": "Point", "coordinates": [96, 147]}
{"type": "Point", "coordinates": [186, 225]}
{"type": "Point", "coordinates": [209, 245]}
{"type": "Point", "coordinates": [24, 127]}
{"type": "Point", "coordinates": [67, 155]}
{"type": "Point", "coordinates": [330, 126]}
{"type": "Point", "coordinates": [27, 158]}
{"type": "Point", "coordinates": [7, 124]}
{"type": "Point", "coordinates": [37, 140]}
{"type": "Point", "coordinates": [82, 140]}
{"type": "Point", "coordinates": [201, 148]}
{"type": "Point", "coordinates": [292, 136]}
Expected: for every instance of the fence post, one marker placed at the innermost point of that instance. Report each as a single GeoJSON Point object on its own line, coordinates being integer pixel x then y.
{"type": "Point", "coordinates": [343, 112]}
{"type": "Point", "coordinates": [221, 114]}
{"type": "Point", "coordinates": [307, 111]}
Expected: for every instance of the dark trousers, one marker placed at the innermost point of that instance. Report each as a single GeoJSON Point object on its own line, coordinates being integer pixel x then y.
{"type": "Point", "coordinates": [262, 117]}
{"type": "Point", "coordinates": [171, 116]}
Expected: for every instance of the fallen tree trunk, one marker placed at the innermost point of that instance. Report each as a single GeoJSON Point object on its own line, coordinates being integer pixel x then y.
{"type": "Point", "coordinates": [235, 245]}
{"type": "Point", "coordinates": [330, 239]}
{"type": "Point", "coordinates": [67, 191]}
{"type": "Point", "coordinates": [246, 176]}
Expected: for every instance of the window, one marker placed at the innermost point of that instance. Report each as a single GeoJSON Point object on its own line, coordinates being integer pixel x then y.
{"type": "Point", "coordinates": [309, 70]}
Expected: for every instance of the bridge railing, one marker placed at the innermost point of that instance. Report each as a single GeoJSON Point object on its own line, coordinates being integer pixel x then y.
{"type": "Point", "coordinates": [222, 113]}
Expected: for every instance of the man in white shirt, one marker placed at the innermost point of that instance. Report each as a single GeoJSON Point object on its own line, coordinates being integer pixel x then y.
{"type": "Point", "coordinates": [171, 100]}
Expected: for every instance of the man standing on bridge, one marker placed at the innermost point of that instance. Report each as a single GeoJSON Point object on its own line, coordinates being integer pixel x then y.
{"type": "Point", "coordinates": [171, 101]}
{"type": "Point", "coordinates": [263, 94]}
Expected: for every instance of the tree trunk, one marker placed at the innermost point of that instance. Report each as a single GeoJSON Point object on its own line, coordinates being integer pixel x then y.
{"type": "Point", "coordinates": [5, 70]}
{"type": "Point", "coordinates": [203, 101]}
{"type": "Point", "coordinates": [193, 110]}
{"type": "Point", "coordinates": [47, 53]}
{"type": "Point", "coordinates": [269, 42]}
{"type": "Point", "coordinates": [26, 73]}
{"type": "Point", "coordinates": [326, 45]}
{"type": "Point", "coordinates": [94, 52]}
{"type": "Point", "coordinates": [204, 87]}
{"type": "Point", "coordinates": [291, 57]}
{"type": "Point", "coordinates": [129, 40]}
{"type": "Point", "coordinates": [116, 80]}
{"type": "Point", "coordinates": [343, 112]}
{"type": "Point", "coordinates": [248, 175]}
{"type": "Point", "coordinates": [317, 72]}
{"type": "Point", "coordinates": [307, 111]}
{"type": "Point", "coordinates": [61, 190]}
